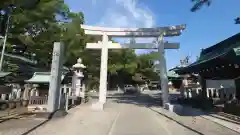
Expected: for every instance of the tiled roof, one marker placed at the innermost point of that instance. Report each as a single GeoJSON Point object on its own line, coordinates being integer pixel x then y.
{"type": "Point", "coordinates": [225, 48]}
{"type": "Point", "coordinates": [41, 77]}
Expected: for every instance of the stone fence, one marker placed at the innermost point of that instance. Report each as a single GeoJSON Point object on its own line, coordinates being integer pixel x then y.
{"type": "Point", "coordinates": [213, 93]}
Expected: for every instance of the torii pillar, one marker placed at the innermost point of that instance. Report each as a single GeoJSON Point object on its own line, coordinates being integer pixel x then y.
{"type": "Point", "coordinates": [158, 33]}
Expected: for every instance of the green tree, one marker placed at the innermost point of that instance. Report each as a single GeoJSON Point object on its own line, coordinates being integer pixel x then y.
{"type": "Point", "coordinates": [27, 4]}
{"type": "Point", "coordinates": [198, 4]}
{"type": "Point", "coordinates": [39, 28]}
{"type": "Point", "coordinates": [10, 66]}
{"type": "Point", "coordinates": [121, 66]}
{"type": "Point", "coordinates": [52, 21]}
{"type": "Point", "coordinates": [75, 40]}
{"type": "Point", "coordinates": [146, 65]}
{"type": "Point", "coordinates": [122, 60]}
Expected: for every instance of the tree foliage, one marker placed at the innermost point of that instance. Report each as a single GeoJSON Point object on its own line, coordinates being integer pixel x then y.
{"type": "Point", "coordinates": [51, 21]}
{"type": "Point", "coordinates": [198, 4]}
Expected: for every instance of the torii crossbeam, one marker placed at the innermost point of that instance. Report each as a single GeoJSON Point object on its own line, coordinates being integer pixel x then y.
{"type": "Point", "coordinates": [104, 45]}
{"type": "Point", "coordinates": [112, 45]}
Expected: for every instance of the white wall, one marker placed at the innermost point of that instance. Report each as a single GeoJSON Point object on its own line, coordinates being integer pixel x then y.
{"type": "Point", "coordinates": [217, 83]}
{"type": "Point", "coordinates": [228, 85]}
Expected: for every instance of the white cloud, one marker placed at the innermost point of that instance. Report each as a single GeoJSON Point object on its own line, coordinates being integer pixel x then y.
{"type": "Point", "coordinates": [127, 13]}
{"type": "Point", "coordinates": [116, 13]}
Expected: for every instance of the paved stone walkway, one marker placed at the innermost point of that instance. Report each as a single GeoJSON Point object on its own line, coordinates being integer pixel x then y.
{"type": "Point", "coordinates": [196, 123]}
{"type": "Point", "coordinates": [136, 120]}
{"type": "Point", "coordinates": [127, 116]}
{"type": "Point", "coordinates": [117, 119]}
{"type": "Point", "coordinates": [19, 126]}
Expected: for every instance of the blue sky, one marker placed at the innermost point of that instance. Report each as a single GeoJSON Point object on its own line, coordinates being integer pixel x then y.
{"type": "Point", "coordinates": [204, 28]}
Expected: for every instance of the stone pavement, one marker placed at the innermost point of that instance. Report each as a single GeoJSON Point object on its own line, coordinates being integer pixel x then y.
{"type": "Point", "coordinates": [195, 120]}
{"type": "Point", "coordinates": [139, 120]}
{"type": "Point", "coordinates": [9, 112]}
{"type": "Point", "coordinates": [196, 123]}
{"type": "Point", "coordinates": [223, 121]}
{"type": "Point", "coordinates": [117, 119]}
{"type": "Point", "coordinates": [13, 122]}
{"type": "Point", "coordinates": [197, 113]}
{"type": "Point", "coordinates": [19, 126]}
{"type": "Point", "coordinates": [125, 116]}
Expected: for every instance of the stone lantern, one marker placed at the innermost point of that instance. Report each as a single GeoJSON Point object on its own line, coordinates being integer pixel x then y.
{"type": "Point", "coordinates": [77, 78]}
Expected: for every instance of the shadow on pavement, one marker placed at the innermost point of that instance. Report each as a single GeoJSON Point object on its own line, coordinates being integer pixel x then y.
{"type": "Point", "coordinates": [7, 119]}
{"type": "Point", "coordinates": [35, 127]}
{"type": "Point", "coordinates": [140, 100]}
{"type": "Point", "coordinates": [154, 100]}
{"type": "Point", "coordinates": [148, 101]}
{"type": "Point", "coordinates": [16, 114]}
{"type": "Point", "coordinates": [178, 122]}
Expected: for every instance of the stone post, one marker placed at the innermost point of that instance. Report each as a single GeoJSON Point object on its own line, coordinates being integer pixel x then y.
{"type": "Point", "coordinates": [217, 93]}
{"type": "Point", "coordinates": [163, 69]}
{"type": "Point", "coordinates": [19, 94]}
{"type": "Point", "coordinates": [56, 75]}
{"type": "Point", "coordinates": [185, 93]}
{"type": "Point", "coordinates": [212, 92]}
{"type": "Point", "coordinates": [197, 91]}
{"type": "Point", "coordinates": [78, 84]}
{"type": "Point", "coordinates": [190, 93]}
{"type": "Point", "coordinates": [118, 89]}
{"type": "Point", "coordinates": [208, 95]}
{"type": "Point", "coordinates": [32, 93]}
{"type": "Point", "coordinates": [182, 90]}
{"type": "Point", "coordinates": [83, 90]}
{"type": "Point", "coordinates": [3, 96]}
{"type": "Point", "coordinates": [10, 97]}
{"type": "Point", "coordinates": [103, 70]}
{"type": "Point", "coordinates": [203, 86]}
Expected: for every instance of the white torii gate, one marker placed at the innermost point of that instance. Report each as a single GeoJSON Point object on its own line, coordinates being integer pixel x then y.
{"type": "Point", "coordinates": [112, 45]}
{"type": "Point", "coordinates": [159, 33]}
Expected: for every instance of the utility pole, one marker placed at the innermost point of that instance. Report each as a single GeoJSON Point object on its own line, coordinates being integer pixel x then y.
{"type": "Point", "coordinates": [27, 4]}
{"type": "Point", "coordinates": [8, 14]}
